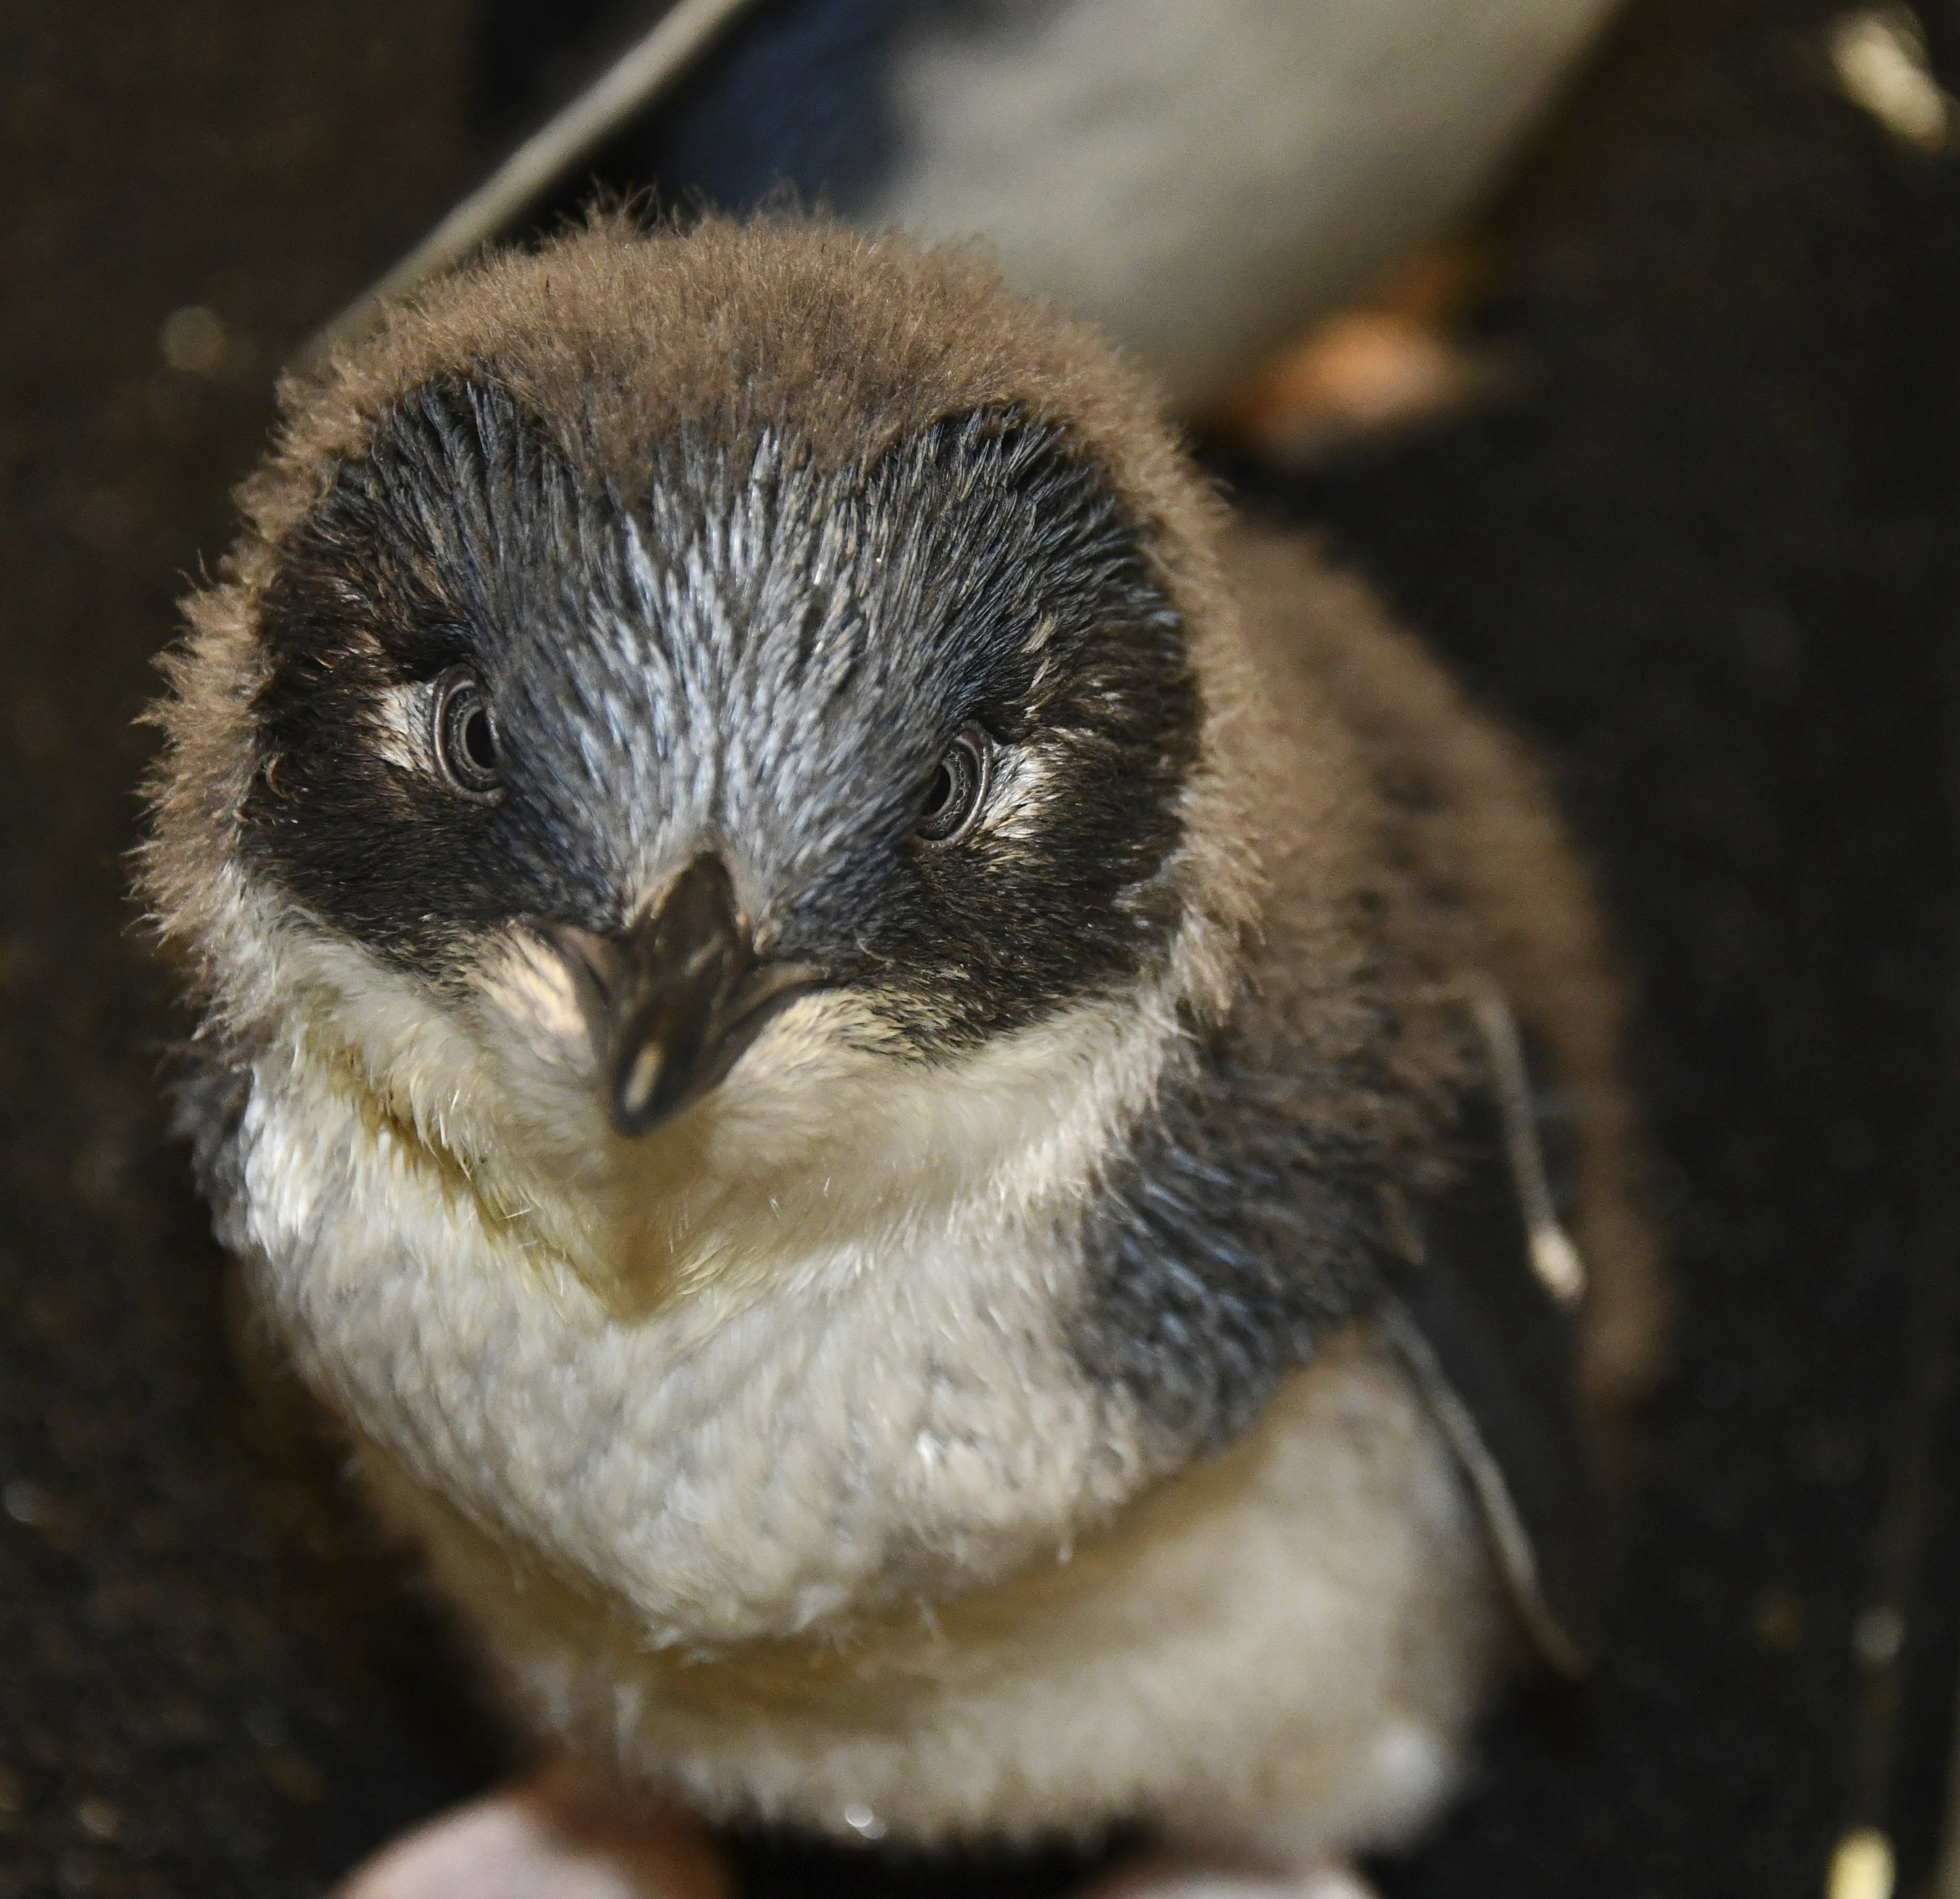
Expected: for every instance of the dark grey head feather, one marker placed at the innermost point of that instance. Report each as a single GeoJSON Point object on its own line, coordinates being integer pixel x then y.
{"type": "Point", "coordinates": [745, 650]}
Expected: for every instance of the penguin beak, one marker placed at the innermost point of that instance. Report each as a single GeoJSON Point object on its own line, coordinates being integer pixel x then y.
{"type": "Point", "coordinates": [672, 1003]}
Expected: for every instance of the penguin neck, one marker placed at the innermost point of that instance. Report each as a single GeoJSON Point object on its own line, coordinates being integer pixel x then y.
{"type": "Point", "coordinates": [892, 1159]}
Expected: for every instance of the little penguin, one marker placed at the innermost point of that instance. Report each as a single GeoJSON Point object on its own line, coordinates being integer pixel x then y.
{"type": "Point", "coordinates": [947, 1129]}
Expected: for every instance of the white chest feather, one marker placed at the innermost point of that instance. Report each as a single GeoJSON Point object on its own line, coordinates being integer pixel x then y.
{"type": "Point", "coordinates": [831, 1522]}
{"type": "Point", "coordinates": [898, 1415]}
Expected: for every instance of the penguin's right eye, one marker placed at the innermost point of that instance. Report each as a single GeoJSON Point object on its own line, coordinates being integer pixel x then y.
{"type": "Point", "coordinates": [465, 735]}
{"type": "Point", "coordinates": [957, 789]}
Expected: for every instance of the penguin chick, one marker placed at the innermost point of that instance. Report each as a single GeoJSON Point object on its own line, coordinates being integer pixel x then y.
{"type": "Point", "coordinates": [879, 1064]}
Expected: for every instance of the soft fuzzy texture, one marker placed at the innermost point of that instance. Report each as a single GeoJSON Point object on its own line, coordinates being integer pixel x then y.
{"type": "Point", "coordinates": [881, 1374]}
{"type": "Point", "coordinates": [1704, 557]}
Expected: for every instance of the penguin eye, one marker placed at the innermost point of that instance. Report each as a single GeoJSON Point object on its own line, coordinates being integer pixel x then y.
{"type": "Point", "coordinates": [466, 738]}
{"type": "Point", "coordinates": [957, 789]}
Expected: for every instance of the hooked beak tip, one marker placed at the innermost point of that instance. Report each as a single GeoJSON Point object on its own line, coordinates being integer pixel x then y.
{"type": "Point", "coordinates": [635, 1093]}
{"type": "Point", "coordinates": [672, 1003]}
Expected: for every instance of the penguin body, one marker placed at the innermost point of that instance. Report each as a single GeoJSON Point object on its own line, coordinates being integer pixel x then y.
{"type": "Point", "coordinates": [856, 1041]}
{"type": "Point", "coordinates": [1202, 182]}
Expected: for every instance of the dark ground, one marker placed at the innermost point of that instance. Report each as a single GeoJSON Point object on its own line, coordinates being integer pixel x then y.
{"type": "Point", "coordinates": [1710, 555]}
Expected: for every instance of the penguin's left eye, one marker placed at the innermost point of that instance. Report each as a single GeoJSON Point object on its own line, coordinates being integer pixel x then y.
{"type": "Point", "coordinates": [957, 790]}
{"type": "Point", "coordinates": [466, 737]}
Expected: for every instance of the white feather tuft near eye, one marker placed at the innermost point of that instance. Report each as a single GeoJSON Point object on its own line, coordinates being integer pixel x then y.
{"type": "Point", "coordinates": [399, 728]}
{"type": "Point", "coordinates": [1021, 794]}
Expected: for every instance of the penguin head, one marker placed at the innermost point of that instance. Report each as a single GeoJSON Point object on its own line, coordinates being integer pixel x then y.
{"type": "Point", "coordinates": [710, 688]}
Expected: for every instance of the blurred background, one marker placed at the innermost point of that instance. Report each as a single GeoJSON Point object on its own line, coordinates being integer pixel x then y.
{"type": "Point", "coordinates": [1619, 346]}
